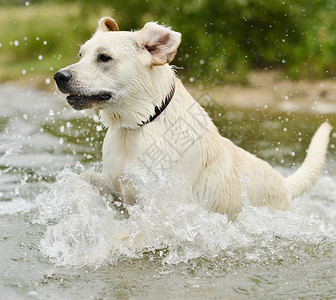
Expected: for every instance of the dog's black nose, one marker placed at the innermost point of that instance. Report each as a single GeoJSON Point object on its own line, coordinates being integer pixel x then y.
{"type": "Point", "coordinates": [63, 76]}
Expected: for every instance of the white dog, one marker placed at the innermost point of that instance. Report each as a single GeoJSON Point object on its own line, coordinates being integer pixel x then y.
{"type": "Point", "coordinates": [152, 119]}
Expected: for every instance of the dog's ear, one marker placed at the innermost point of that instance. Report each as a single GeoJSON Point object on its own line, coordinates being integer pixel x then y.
{"type": "Point", "coordinates": [160, 42]}
{"type": "Point", "coordinates": [107, 24]}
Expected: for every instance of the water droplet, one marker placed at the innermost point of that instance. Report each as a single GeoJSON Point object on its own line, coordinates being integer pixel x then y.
{"type": "Point", "coordinates": [16, 43]}
{"type": "Point", "coordinates": [95, 118]}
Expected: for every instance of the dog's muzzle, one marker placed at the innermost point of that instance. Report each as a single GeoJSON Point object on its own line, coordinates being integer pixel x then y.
{"type": "Point", "coordinates": [76, 98]}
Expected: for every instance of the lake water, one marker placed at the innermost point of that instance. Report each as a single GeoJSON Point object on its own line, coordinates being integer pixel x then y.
{"type": "Point", "coordinates": [60, 240]}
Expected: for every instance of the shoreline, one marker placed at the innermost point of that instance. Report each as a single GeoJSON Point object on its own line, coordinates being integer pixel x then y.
{"type": "Point", "coordinates": [271, 91]}
{"type": "Point", "coordinates": [265, 91]}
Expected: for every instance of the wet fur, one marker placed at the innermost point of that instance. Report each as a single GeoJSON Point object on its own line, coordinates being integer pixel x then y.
{"type": "Point", "coordinates": [220, 174]}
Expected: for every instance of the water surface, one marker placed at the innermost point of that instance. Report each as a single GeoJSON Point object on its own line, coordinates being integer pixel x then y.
{"type": "Point", "coordinates": [60, 240]}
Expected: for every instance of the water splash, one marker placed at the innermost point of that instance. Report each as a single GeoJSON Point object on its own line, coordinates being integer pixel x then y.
{"type": "Point", "coordinates": [82, 229]}
{"type": "Point", "coordinates": [15, 206]}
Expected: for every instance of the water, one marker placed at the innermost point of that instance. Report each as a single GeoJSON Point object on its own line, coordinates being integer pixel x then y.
{"type": "Point", "coordinates": [60, 240]}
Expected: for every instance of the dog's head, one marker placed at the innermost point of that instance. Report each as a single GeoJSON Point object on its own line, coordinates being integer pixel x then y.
{"type": "Point", "coordinates": [119, 69]}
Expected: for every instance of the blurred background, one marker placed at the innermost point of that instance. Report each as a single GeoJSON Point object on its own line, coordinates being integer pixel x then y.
{"type": "Point", "coordinates": [223, 40]}
{"type": "Point", "coordinates": [265, 72]}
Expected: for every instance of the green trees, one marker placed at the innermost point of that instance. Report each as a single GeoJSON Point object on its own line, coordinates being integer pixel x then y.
{"type": "Point", "coordinates": [222, 39]}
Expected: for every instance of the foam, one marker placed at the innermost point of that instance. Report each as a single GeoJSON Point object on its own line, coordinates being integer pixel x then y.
{"type": "Point", "coordinates": [81, 228]}
{"type": "Point", "coordinates": [15, 206]}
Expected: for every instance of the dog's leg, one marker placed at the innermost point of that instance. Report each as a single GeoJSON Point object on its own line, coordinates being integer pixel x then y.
{"type": "Point", "coordinates": [98, 181]}
{"type": "Point", "coordinates": [105, 190]}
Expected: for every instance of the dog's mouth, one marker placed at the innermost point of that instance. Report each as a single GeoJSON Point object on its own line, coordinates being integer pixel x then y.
{"type": "Point", "coordinates": [80, 102]}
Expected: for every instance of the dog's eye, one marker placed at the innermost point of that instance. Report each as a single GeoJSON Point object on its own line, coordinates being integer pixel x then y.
{"type": "Point", "coordinates": [104, 58]}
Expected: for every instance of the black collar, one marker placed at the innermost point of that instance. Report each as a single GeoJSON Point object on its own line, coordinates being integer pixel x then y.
{"type": "Point", "coordinates": [159, 110]}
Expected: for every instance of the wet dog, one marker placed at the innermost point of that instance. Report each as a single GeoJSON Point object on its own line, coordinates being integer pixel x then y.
{"type": "Point", "coordinates": [153, 120]}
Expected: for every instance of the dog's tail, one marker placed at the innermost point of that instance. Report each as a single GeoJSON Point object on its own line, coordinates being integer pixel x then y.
{"type": "Point", "coordinates": [305, 177]}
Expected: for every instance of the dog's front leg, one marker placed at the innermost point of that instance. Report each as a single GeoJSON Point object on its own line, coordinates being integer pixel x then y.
{"type": "Point", "coordinates": [105, 189]}
{"type": "Point", "coordinates": [97, 180]}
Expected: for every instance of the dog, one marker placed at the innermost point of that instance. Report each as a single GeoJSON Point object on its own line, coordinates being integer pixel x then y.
{"type": "Point", "coordinates": [152, 119]}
